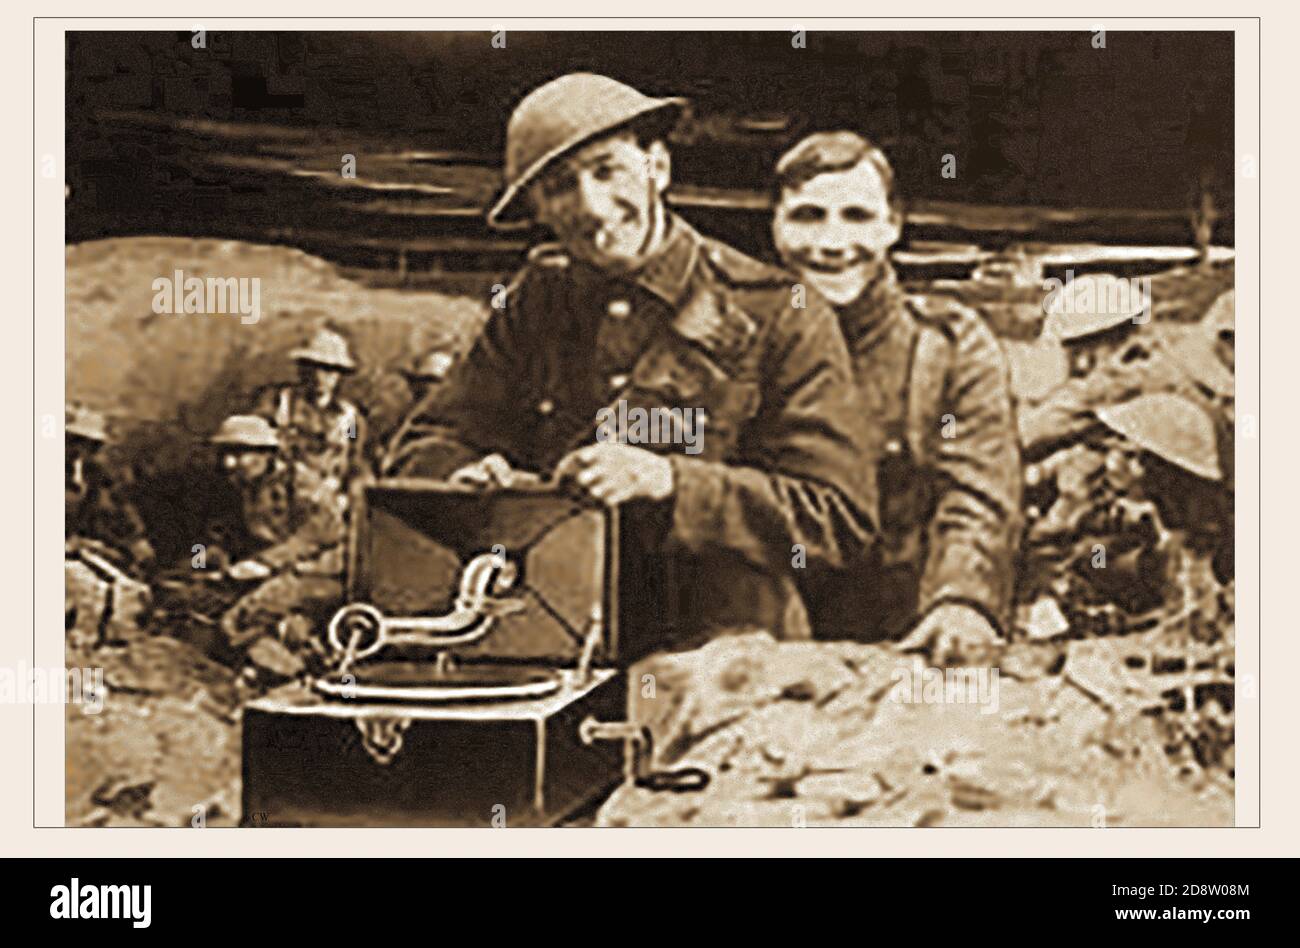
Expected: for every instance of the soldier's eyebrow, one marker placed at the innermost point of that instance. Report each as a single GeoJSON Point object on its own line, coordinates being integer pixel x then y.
{"type": "Point", "coordinates": [588, 160]}
{"type": "Point", "coordinates": [563, 176]}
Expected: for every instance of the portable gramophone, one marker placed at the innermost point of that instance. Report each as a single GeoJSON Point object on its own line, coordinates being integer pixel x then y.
{"type": "Point", "coordinates": [474, 675]}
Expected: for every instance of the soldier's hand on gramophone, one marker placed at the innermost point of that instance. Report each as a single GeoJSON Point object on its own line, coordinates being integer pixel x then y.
{"type": "Point", "coordinates": [614, 473]}
{"type": "Point", "coordinates": [953, 633]}
{"type": "Point", "coordinates": [491, 471]}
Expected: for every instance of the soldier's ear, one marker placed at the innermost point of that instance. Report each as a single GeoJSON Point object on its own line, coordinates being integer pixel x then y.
{"type": "Point", "coordinates": [661, 165]}
{"type": "Point", "coordinates": [895, 222]}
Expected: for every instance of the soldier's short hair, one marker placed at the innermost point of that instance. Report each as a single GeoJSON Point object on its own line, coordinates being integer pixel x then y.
{"type": "Point", "coordinates": [825, 152]}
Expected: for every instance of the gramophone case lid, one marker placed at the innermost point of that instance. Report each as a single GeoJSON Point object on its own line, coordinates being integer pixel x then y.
{"type": "Point", "coordinates": [413, 538]}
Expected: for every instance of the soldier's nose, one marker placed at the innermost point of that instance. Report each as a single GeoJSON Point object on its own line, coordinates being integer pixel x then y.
{"type": "Point", "coordinates": [594, 200]}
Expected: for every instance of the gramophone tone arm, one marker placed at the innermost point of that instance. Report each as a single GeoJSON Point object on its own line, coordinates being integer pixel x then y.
{"type": "Point", "coordinates": [476, 610]}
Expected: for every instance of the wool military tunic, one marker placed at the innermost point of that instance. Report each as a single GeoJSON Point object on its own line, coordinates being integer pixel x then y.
{"type": "Point", "coordinates": [99, 510]}
{"type": "Point", "coordinates": [934, 382]}
{"type": "Point", "coordinates": [780, 476]}
{"type": "Point", "coordinates": [300, 539]}
{"type": "Point", "coordinates": [324, 444]}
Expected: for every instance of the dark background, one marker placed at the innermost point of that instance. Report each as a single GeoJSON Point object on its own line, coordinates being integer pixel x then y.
{"type": "Point", "coordinates": [245, 138]}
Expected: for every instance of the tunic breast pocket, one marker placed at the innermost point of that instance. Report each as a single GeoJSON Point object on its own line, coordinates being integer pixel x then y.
{"type": "Point", "coordinates": [719, 404]}
{"type": "Point", "coordinates": [673, 378]}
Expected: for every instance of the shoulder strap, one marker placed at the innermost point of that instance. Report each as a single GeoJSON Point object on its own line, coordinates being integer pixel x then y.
{"type": "Point", "coordinates": [283, 410]}
{"type": "Point", "coordinates": [713, 321]}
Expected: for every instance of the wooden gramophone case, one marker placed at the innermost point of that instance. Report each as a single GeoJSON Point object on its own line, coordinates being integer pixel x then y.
{"type": "Point", "coordinates": [314, 760]}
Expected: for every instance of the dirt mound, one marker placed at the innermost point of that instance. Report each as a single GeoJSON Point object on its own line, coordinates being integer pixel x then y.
{"type": "Point", "coordinates": [846, 734]}
{"type": "Point", "coordinates": [138, 365]}
{"type": "Point", "coordinates": [164, 748]}
{"type": "Point", "coordinates": [167, 381]}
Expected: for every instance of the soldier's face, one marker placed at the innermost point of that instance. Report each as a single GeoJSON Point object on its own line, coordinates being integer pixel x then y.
{"type": "Point", "coordinates": [245, 466]}
{"type": "Point", "coordinates": [1087, 354]}
{"type": "Point", "coordinates": [836, 229]}
{"type": "Point", "coordinates": [602, 202]}
{"type": "Point", "coordinates": [1082, 361]}
{"type": "Point", "coordinates": [321, 380]}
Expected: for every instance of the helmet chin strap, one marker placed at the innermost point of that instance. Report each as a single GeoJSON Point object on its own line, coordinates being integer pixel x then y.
{"type": "Point", "coordinates": [655, 228]}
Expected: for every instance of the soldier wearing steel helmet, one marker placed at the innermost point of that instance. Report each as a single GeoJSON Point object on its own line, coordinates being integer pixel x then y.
{"type": "Point", "coordinates": [932, 377]}
{"type": "Point", "coordinates": [105, 545]}
{"type": "Point", "coordinates": [1186, 361]}
{"type": "Point", "coordinates": [1102, 324]}
{"type": "Point", "coordinates": [289, 552]}
{"type": "Point", "coordinates": [320, 433]}
{"type": "Point", "coordinates": [1143, 493]}
{"type": "Point", "coordinates": [634, 307]}
{"type": "Point", "coordinates": [97, 511]}
{"type": "Point", "coordinates": [426, 377]}
{"type": "Point", "coordinates": [1206, 354]}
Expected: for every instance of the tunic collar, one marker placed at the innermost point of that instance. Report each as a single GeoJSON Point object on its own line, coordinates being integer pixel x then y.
{"type": "Point", "coordinates": [867, 318]}
{"type": "Point", "coordinates": [668, 272]}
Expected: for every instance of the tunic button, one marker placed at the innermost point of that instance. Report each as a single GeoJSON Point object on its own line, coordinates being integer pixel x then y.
{"type": "Point", "coordinates": [619, 309]}
{"type": "Point", "coordinates": [545, 406]}
{"type": "Point", "coordinates": [893, 446]}
{"type": "Point", "coordinates": [617, 381]}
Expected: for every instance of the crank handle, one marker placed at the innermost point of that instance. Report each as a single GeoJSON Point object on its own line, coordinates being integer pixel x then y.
{"type": "Point", "coordinates": [638, 750]}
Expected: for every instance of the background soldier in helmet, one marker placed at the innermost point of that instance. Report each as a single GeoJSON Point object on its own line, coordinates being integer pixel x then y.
{"type": "Point", "coordinates": [104, 543]}
{"type": "Point", "coordinates": [635, 307]}
{"type": "Point", "coordinates": [1103, 325]}
{"type": "Point", "coordinates": [321, 434]}
{"type": "Point", "coordinates": [425, 378]}
{"type": "Point", "coordinates": [1138, 520]}
{"type": "Point", "coordinates": [290, 546]}
{"type": "Point", "coordinates": [932, 376]}
{"type": "Point", "coordinates": [96, 510]}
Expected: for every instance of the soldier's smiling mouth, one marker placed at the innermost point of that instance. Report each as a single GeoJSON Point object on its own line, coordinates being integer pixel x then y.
{"type": "Point", "coordinates": [830, 267]}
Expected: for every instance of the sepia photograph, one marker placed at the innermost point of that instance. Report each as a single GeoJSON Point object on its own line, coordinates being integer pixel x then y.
{"type": "Point", "coordinates": [624, 429]}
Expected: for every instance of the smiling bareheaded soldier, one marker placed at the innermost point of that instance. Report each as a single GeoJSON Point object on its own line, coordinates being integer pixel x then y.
{"type": "Point", "coordinates": [633, 309]}
{"type": "Point", "coordinates": [932, 377]}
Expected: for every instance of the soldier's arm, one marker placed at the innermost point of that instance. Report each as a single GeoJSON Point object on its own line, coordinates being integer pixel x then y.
{"type": "Point", "coordinates": [1067, 411]}
{"type": "Point", "coordinates": [1060, 416]}
{"type": "Point", "coordinates": [357, 464]}
{"type": "Point", "coordinates": [805, 479]}
{"type": "Point", "coordinates": [976, 523]}
{"type": "Point", "coordinates": [115, 521]}
{"type": "Point", "coordinates": [322, 529]}
{"type": "Point", "coordinates": [476, 411]}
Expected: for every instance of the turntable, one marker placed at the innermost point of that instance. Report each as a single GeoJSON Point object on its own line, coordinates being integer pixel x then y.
{"type": "Point", "coordinates": [474, 675]}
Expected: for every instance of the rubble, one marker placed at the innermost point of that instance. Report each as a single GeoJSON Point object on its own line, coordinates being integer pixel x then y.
{"type": "Point", "coordinates": [165, 741]}
{"type": "Point", "coordinates": [102, 605]}
{"type": "Point", "coordinates": [833, 734]}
